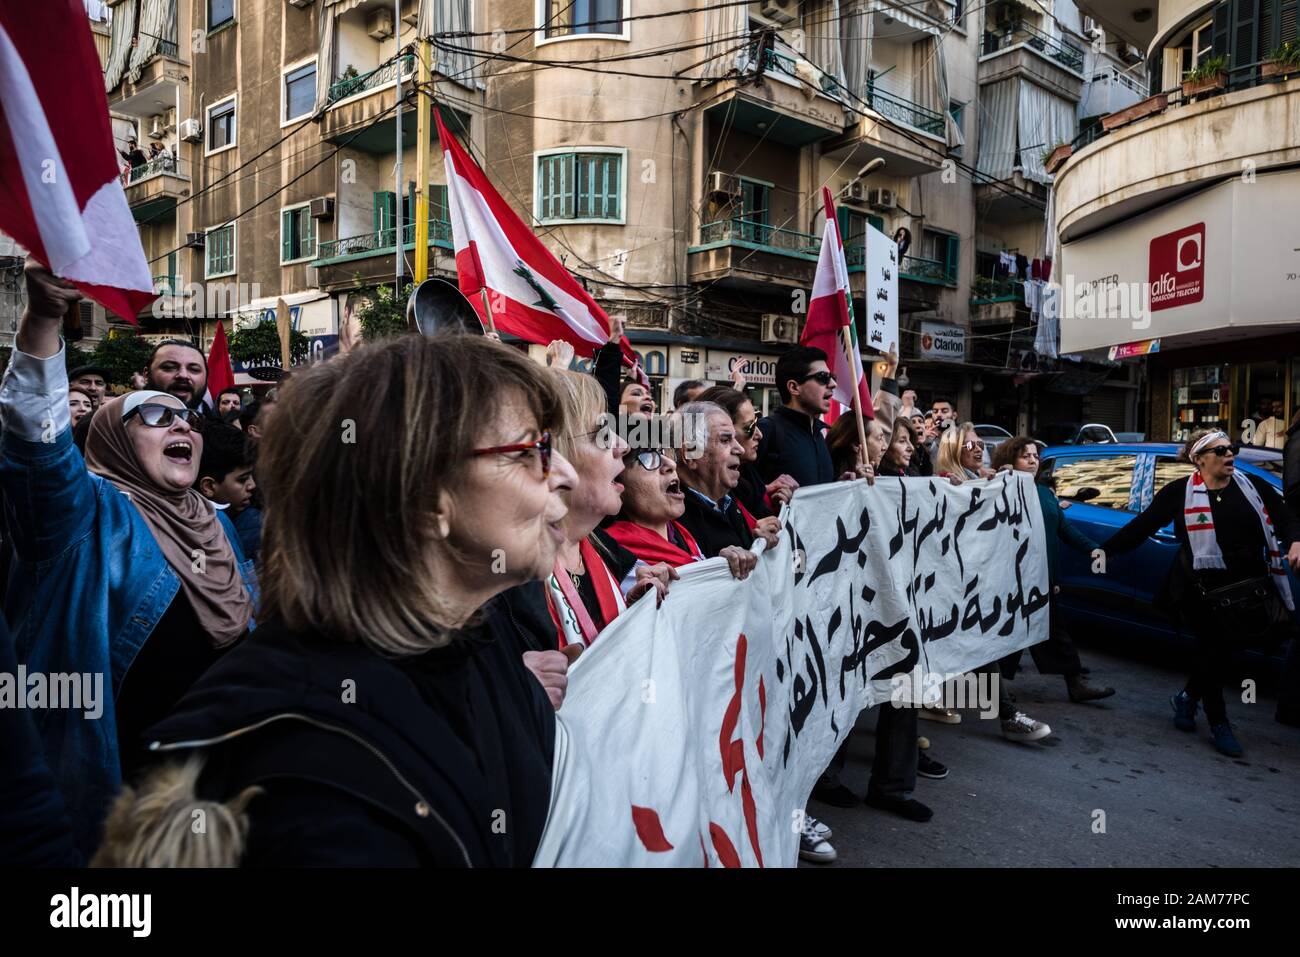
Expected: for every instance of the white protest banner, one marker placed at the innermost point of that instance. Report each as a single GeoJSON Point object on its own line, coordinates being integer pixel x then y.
{"type": "Point", "coordinates": [692, 733]}
{"type": "Point", "coordinates": [881, 291]}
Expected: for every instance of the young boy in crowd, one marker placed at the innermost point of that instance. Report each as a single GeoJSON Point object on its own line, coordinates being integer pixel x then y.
{"type": "Point", "coordinates": [226, 478]}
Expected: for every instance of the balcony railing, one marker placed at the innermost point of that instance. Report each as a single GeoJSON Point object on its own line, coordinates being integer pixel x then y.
{"type": "Point", "coordinates": [894, 107]}
{"type": "Point", "coordinates": [156, 167]}
{"type": "Point", "coordinates": [985, 291]}
{"type": "Point", "coordinates": [383, 241]}
{"type": "Point", "coordinates": [166, 285]}
{"type": "Point", "coordinates": [384, 76]}
{"type": "Point", "coordinates": [928, 270]}
{"type": "Point", "coordinates": [1021, 33]}
{"type": "Point", "coordinates": [761, 236]}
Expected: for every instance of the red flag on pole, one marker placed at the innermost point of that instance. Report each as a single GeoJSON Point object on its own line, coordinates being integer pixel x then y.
{"type": "Point", "coordinates": [531, 294]}
{"type": "Point", "coordinates": [60, 192]}
{"type": "Point", "coordinates": [830, 313]}
{"type": "Point", "coordinates": [221, 374]}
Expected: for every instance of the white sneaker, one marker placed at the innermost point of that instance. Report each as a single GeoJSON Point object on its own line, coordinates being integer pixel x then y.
{"type": "Point", "coordinates": [942, 715]}
{"type": "Point", "coordinates": [1021, 727]}
{"type": "Point", "coordinates": [820, 828]}
{"type": "Point", "coordinates": [813, 847]}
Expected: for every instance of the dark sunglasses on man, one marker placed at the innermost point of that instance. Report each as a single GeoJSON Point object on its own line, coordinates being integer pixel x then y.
{"type": "Point", "coordinates": [157, 415]}
{"type": "Point", "coordinates": [822, 378]}
{"type": "Point", "coordinates": [1222, 450]}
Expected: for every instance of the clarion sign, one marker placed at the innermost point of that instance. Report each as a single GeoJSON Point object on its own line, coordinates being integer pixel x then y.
{"type": "Point", "coordinates": [939, 341]}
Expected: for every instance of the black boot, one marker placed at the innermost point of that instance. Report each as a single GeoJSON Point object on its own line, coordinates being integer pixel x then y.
{"type": "Point", "coordinates": [1081, 691]}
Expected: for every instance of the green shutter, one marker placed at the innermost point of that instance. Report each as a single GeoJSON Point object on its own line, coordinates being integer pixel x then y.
{"type": "Point", "coordinates": [438, 204]}
{"type": "Point", "coordinates": [384, 211]}
{"type": "Point", "coordinates": [877, 221]}
{"type": "Point", "coordinates": [1289, 22]}
{"type": "Point", "coordinates": [1245, 39]}
{"type": "Point", "coordinates": [1223, 28]}
{"type": "Point", "coordinates": [287, 226]}
{"type": "Point", "coordinates": [953, 259]}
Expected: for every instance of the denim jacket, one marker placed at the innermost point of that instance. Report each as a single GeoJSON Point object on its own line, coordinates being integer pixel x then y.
{"type": "Point", "coordinates": [89, 581]}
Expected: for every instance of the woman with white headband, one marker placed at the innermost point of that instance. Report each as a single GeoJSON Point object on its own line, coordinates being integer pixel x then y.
{"type": "Point", "coordinates": [1229, 581]}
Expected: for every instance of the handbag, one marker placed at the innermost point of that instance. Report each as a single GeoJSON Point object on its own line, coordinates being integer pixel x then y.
{"type": "Point", "coordinates": [1246, 609]}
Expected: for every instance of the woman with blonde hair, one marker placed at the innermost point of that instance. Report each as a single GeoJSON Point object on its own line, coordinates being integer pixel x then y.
{"type": "Point", "coordinates": [1229, 580]}
{"type": "Point", "coordinates": [961, 455]}
{"type": "Point", "coordinates": [380, 715]}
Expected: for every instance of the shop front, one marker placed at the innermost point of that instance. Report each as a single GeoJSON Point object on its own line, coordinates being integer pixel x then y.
{"type": "Point", "coordinates": [312, 313]}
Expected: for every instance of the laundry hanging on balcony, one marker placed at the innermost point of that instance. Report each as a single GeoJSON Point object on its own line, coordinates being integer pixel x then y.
{"type": "Point", "coordinates": [157, 33]}
{"type": "Point", "coordinates": [119, 44]}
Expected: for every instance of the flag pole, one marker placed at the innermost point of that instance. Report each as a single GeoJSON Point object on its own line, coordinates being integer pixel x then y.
{"type": "Point", "coordinates": [489, 326]}
{"type": "Point", "coordinates": [846, 332]}
{"type": "Point", "coordinates": [422, 152]}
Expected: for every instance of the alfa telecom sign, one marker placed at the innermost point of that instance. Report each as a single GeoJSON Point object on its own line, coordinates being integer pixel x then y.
{"type": "Point", "coordinates": [1177, 268]}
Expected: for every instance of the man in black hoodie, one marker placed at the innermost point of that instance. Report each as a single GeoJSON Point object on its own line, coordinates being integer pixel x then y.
{"type": "Point", "coordinates": [794, 442]}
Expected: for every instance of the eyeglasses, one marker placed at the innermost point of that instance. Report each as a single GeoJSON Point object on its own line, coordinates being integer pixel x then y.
{"type": "Point", "coordinates": [822, 378]}
{"type": "Point", "coordinates": [1222, 450]}
{"type": "Point", "coordinates": [542, 444]}
{"type": "Point", "coordinates": [748, 430]}
{"type": "Point", "coordinates": [156, 415]}
{"type": "Point", "coordinates": [973, 446]}
{"type": "Point", "coordinates": [650, 459]}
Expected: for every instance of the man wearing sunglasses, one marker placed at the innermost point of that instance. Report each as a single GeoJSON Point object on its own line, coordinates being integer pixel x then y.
{"type": "Point", "coordinates": [794, 440]}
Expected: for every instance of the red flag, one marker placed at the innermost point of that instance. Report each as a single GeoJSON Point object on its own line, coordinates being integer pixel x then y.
{"type": "Point", "coordinates": [531, 294]}
{"type": "Point", "coordinates": [830, 313]}
{"type": "Point", "coordinates": [221, 374]}
{"type": "Point", "coordinates": [60, 193]}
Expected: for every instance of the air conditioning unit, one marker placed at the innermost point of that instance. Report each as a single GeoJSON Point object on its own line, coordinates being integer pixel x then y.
{"type": "Point", "coordinates": [195, 240]}
{"type": "Point", "coordinates": [852, 192]}
{"type": "Point", "coordinates": [191, 130]}
{"type": "Point", "coordinates": [322, 208]}
{"type": "Point", "coordinates": [380, 23]}
{"type": "Point", "coordinates": [881, 199]}
{"type": "Point", "coordinates": [723, 185]}
{"type": "Point", "coordinates": [169, 118]}
{"type": "Point", "coordinates": [779, 328]}
{"type": "Point", "coordinates": [1129, 53]}
{"type": "Point", "coordinates": [157, 127]}
{"type": "Point", "coordinates": [780, 11]}
{"type": "Point", "coordinates": [1090, 28]}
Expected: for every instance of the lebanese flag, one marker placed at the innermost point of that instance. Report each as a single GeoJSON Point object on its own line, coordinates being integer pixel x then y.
{"type": "Point", "coordinates": [829, 312]}
{"type": "Point", "coordinates": [221, 374]}
{"type": "Point", "coordinates": [532, 295]}
{"type": "Point", "coordinates": [60, 186]}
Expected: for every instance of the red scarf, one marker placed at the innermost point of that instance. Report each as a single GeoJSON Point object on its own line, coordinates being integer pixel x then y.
{"type": "Point", "coordinates": [603, 582]}
{"type": "Point", "coordinates": [652, 547]}
{"type": "Point", "coordinates": [749, 519]}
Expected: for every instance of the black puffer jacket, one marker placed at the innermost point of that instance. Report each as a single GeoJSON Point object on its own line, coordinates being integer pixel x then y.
{"type": "Point", "coordinates": [439, 760]}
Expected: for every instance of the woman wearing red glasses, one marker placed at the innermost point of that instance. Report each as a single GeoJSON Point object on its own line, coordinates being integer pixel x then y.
{"type": "Point", "coordinates": [1229, 581]}
{"type": "Point", "coordinates": [123, 571]}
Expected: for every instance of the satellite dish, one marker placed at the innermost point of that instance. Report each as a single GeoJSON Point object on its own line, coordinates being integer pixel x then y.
{"type": "Point", "coordinates": [437, 306]}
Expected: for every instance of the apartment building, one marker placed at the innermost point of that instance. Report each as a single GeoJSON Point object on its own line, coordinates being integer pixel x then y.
{"type": "Point", "coordinates": [674, 161]}
{"type": "Point", "coordinates": [1191, 194]}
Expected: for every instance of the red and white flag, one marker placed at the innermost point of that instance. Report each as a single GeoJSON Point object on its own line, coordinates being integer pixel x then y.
{"type": "Point", "coordinates": [60, 190]}
{"type": "Point", "coordinates": [531, 294]}
{"type": "Point", "coordinates": [830, 312]}
{"type": "Point", "coordinates": [221, 374]}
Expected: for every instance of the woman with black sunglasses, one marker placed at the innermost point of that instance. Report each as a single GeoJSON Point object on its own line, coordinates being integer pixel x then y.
{"type": "Point", "coordinates": [123, 570]}
{"type": "Point", "coordinates": [1230, 575]}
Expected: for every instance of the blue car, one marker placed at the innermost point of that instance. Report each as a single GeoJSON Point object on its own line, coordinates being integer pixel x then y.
{"type": "Point", "coordinates": [1101, 488]}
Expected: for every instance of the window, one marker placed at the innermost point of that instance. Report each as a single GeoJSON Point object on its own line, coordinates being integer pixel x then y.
{"type": "Point", "coordinates": [853, 228]}
{"type": "Point", "coordinates": [221, 126]}
{"type": "Point", "coordinates": [958, 12]}
{"type": "Point", "coordinates": [957, 110]}
{"type": "Point", "coordinates": [220, 12]}
{"type": "Point", "coordinates": [754, 214]}
{"type": "Point", "coordinates": [297, 234]}
{"type": "Point", "coordinates": [943, 248]}
{"type": "Point", "coordinates": [1108, 480]}
{"type": "Point", "coordinates": [567, 18]}
{"type": "Point", "coordinates": [580, 186]}
{"type": "Point", "coordinates": [1168, 470]}
{"type": "Point", "coordinates": [299, 91]}
{"type": "Point", "coordinates": [219, 249]}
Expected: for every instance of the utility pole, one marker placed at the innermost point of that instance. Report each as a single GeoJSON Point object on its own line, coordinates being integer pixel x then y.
{"type": "Point", "coordinates": [401, 189]}
{"type": "Point", "coordinates": [423, 101]}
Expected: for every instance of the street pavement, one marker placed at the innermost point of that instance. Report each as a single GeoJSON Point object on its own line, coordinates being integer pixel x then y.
{"type": "Point", "coordinates": [1169, 799]}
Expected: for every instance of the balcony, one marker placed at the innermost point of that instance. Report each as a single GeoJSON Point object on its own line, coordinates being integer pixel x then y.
{"type": "Point", "coordinates": [154, 189]}
{"type": "Point", "coordinates": [997, 301]}
{"type": "Point", "coordinates": [1185, 146]}
{"type": "Point", "coordinates": [743, 253]}
{"type": "Point", "coordinates": [355, 102]}
{"type": "Point", "coordinates": [1012, 200]}
{"type": "Point", "coordinates": [368, 258]}
{"type": "Point", "coordinates": [895, 140]}
{"type": "Point", "coordinates": [1020, 49]}
{"type": "Point", "coordinates": [919, 279]}
{"type": "Point", "coordinates": [158, 84]}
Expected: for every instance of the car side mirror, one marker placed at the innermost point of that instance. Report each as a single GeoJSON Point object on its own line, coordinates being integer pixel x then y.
{"type": "Point", "coordinates": [1085, 494]}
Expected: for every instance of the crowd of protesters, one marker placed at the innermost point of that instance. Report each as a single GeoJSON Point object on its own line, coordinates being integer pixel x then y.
{"type": "Point", "coordinates": [228, 567]}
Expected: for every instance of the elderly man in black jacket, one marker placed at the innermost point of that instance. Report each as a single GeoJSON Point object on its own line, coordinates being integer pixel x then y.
{"type": "Point", "coordinates": [709, 467]}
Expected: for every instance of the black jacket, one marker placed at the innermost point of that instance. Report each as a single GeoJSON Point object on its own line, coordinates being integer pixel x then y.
{"type": "Point", "coordinates": [1291, 472]}
{"type": "Point", "coordinates": [712, 530]}
{"type": "Point", "coordinates": [752, 491]}
{"type": "Point", "coordinates": [439, 760]}
{"type": "Point", "coordinates": [607, 367]}
{"type": "Point", "coordinates": [794, 444]}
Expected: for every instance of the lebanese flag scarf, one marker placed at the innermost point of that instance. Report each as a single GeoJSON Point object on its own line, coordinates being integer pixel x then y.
{"type": "Point", "coordinates": [652, 548]}
{"type": "Point", "coordinates": [573, 622]}
{"type": "Point", "coordinates": [1205, 547]}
